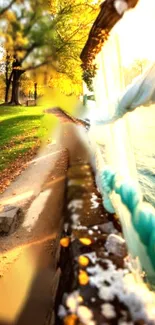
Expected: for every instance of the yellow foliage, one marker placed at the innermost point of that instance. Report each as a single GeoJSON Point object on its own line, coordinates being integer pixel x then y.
{"type": "Point", "coordinates": [66, 85]}
{"type": "Point", "coordinates": [64, 242]}
{"type": "Point", "coordinates": [83, 278]}
{"type": "Point", "coordinates": [86, 241]}
{"type": "Point", "coordinates": [70, 319]}
{"type": "Point", "coordinates": [10, 16]}
{"type": "Point", "coordinates": [20, 54]}
{"type": "Point", "coordinates": [27, 85]}
{"type": "Point", "coordinates": [74, 20]}
{"type": "Point", "coordinates": [8, 43]}
{"type": "Point", "coordinates": [20, 40]}
{"type": "Point", "coordinates": [83, 260]}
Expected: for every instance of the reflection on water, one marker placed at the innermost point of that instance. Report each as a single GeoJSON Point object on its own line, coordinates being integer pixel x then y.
{"type": "Point", "coordinates": [142, 123]}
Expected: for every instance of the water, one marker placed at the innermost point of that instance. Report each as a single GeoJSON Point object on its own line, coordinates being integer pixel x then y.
{"type": "Point", "coordinates": [142, 137]}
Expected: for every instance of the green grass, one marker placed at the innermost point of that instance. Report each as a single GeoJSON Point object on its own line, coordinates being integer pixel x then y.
{"type": "Point", "coordinates": [21, 128]}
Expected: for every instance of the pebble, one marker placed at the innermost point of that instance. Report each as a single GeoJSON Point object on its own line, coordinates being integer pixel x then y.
{"type": "Point", "coordinates": [116, 245]}
{"type": "Point", "coordinates": [108, 228]}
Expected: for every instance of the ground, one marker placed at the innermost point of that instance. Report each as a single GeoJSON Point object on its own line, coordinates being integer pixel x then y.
{"type": "Point", "coordinates": [28, 257]}
{"type": "Point", "coordinates": [22, 130]}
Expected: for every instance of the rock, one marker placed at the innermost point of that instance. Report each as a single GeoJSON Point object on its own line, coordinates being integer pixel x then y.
{"type": "Point", "coordinates": [116, 245]}
{"type": "Point", "coordinates": [10, 218]}
{"type": "Point", "coordinates": [108, 228]}
{"type": "Point", "coordinates": [9, 208]}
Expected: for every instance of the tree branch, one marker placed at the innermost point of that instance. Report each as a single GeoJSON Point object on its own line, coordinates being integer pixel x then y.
{"type": "Point", "coordinates": [99, 33]}
{"type": "Point", "coordinates": [39, 65]}
{"type": "Point", "coordinates": [29, 50]}
{"type": "Point", "coordinates": [2, 11]}
{"type": "Point", "coordinates": [66, 41]}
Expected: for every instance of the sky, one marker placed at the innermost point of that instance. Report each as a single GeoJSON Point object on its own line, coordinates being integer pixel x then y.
{"type": "Point", "coordinates": [136, 32]}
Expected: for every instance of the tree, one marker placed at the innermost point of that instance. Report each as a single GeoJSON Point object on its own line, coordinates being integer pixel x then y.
{"type": "Point", "coordinates": [27, 41]}
{"type": "Point", "coordinates": [37, 34]}
{"type": "Point", "coordinates": [72, 28]}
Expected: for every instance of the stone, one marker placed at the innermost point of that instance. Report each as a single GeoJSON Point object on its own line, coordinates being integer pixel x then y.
{"type": "Point", "coordinates": [10, 218]}
{"type": "Point", "coordinates": [9, 208]}
{"type": "Point", "coordinates": [116, 245]}
{"type": "Point", "coordinates": [108, 228]}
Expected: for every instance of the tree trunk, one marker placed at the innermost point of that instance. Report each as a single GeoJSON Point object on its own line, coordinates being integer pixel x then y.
{"type": "Point", "coordinates": [17, 71]}
{"type": "Point", "coordinates": [7, 78]}
{"type": "Point", "coordinates": [7, 92]}
{"type": "Point", "coordinates": [35, 91]}
{"type": "Point", "coordinates": [7, 88]}
{"type": "Point", "coordinates": [15, 87]}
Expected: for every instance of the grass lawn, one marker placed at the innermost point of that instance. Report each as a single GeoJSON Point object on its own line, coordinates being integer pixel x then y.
{"type": "Point", "coordinates": [21, 129]}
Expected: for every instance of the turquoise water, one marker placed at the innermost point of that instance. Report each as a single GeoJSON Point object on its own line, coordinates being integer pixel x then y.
{"type": "Point", "coordinates": [142, 136]}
